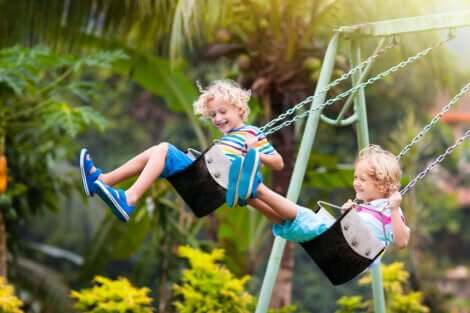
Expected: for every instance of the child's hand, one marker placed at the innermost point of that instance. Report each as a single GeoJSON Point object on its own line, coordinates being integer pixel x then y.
{"type": "Point", "coordinates": [347, 205]}
{"type": "Point", "coordinates": [395, 200]}
{"type": "Point", "coordinates": [250, 142]}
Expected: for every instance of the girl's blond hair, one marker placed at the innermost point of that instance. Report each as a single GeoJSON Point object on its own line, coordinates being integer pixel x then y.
{"type": "Point", "coordinates": [230, 92]}
{"type": "Point", "coordinates": [383, 167]}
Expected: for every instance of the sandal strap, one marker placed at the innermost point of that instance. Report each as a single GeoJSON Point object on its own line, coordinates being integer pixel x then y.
{"type": "Point", "coordinates": [94, 176]}
{"type": "Point", "coordinates": [121, 195]}
{"type": "Point", "coordinates": [89, 165]}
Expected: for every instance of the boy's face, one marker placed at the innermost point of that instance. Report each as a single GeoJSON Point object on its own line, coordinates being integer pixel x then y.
{"type": "Point", "coordinates": [366, 187]}
{"type": "Point", "coordinates": [225, 116]}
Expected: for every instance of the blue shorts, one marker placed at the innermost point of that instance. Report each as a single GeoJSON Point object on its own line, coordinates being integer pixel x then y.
{"type": "Point", "coordinates": [304, 227]}
{"type": "Point", "coordinates": [176, 161]}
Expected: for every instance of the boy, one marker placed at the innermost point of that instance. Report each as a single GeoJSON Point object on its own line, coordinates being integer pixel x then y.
{"type": "Point", "coordinates": [226, 105]}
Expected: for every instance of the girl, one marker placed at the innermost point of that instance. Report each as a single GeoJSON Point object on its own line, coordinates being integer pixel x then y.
{"type": "Point", "coordinates": [376, 183]}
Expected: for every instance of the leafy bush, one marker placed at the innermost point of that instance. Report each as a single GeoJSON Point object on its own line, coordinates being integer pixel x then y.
{"type": "Point", "coordinates": [398, 301]}
{"type": "Point", "coordinates": [210, 287]}
{"type": "Point", "coordinates": [113, 296]}
{"type": "Point", "coordinates": [9, 303]}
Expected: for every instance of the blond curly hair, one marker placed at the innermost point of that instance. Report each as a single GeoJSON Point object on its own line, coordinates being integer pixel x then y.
{"type": "Point", "coordinates": [383, 167]}
{"type": "Point", "coordinates": [229, 91]}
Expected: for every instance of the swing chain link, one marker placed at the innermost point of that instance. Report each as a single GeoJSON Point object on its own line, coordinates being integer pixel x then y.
{"type": "Point", "coordinates": [357, 87]}
{"type": "Point", "coordinates": [328, 87]}
{"type": "Point", "coordinates": [435, 119]}
{"type": "Point", "coordinates": [438, 160]}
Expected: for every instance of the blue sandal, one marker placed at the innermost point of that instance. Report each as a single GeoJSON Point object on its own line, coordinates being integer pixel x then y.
{"type": "Point", "coordinates": [115, 199]}
{"type": "Point", "coordinates": [88, 179]}
{"type": "Point", "coordinates": [248, 181]}
{"type": "Point", "coordinates": [231, 197]}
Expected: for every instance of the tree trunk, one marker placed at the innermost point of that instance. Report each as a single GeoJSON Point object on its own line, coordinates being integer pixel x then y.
{"type": "Point", "coordinates": [284, 141]}
{"type": "Point", "coordinates": [3, 187]}
{"type": "Point", "coordinates": [3, 247]}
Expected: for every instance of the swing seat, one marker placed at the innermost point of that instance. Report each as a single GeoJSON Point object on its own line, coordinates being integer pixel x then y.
{"type": "Point", "coordinates": [346, 249]}
{"type": "Point", "coordinates": [203, 184]}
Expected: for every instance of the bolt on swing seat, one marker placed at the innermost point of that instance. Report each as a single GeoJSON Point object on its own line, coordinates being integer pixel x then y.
{"type": "Point", "coordinates": [203, 184]}
{"type": "Point", "coordinates": [346, 249]}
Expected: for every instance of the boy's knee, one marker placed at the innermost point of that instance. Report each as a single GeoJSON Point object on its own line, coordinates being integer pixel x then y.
{"type": "Point", "coordinates": [260, 190]}
{"type": "Point", "coordinates": [161, 148]}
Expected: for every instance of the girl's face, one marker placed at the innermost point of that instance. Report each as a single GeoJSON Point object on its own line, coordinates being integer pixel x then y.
{"type": "Point", "coordinates": [223, 115]}
{"type": "Point", "coordinates": [366, 187]}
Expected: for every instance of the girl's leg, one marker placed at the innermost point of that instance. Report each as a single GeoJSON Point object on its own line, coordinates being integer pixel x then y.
{"type": "Point", "coordinates": [266, 210]}
{"type": "Point", "coordinates": [135, 165]}
{"type": "Point", "coordinates": [285, 208]}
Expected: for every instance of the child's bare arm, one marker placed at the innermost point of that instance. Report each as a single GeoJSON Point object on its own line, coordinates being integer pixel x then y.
{"type": "Point", "coordinates": [273, 161]}
{"type": "Point", "coordinates": [401, 233]}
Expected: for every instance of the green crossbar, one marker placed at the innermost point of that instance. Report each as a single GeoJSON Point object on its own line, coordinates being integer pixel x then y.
{"type": "Point", "coordinates": [409, 25]}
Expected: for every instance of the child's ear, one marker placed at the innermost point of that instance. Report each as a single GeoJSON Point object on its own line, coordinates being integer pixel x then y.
{"type": "Point", "coordinates": [241, 112]}
{"type": "Point", "coordinates": [383, 189]}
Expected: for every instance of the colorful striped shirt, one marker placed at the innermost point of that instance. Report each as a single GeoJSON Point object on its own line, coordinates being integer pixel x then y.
{"type": "Point", "coordinates": [233, 143]}
{"type": "Point", "coordinates": [379, 222]}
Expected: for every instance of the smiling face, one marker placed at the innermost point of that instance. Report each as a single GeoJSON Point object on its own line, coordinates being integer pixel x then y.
{"type": "Point", "coordinates": [223, 115]}
{"type": "Point", "coordinates": [365, 185]}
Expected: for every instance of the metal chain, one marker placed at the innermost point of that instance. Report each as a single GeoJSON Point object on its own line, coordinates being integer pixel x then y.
{"type": "Point", "coordinates": [438, 160]}
{"type": "Point", "coordinates": [435, 119]}
{"type": "Point", "coordinates": [328, 87]}
{"type": "Point", "coordinates": [357, 87]}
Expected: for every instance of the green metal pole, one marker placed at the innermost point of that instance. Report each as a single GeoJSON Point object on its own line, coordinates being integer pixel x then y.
{"type": "Point", "coordinates": [298, 174]}
{"type": "Point", "coordinates": [363, 141]}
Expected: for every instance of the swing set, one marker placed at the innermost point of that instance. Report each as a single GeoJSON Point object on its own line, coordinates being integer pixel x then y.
{"type": "Point", "coordinates": [345, 250]}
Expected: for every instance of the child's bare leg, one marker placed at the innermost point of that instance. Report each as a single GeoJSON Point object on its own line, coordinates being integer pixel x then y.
{"type": "Point", "coordinates": [266, 210]}
{"type": "Point", "coordinates": [135, 165]}
{"type": "Point", "coordinates": [285, 208]}
{"type": "Point", "coordinates": [150, 172]}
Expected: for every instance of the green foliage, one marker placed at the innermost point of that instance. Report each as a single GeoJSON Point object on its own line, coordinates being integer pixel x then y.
{"type": "Point", "coordinates": [45, 103]}
{"type": "Point", "coordinates": [210, 287]}
{"type": "Point", "coordinates": [9, 303]}
{"type": "Point", "coordinates": [397, 299]}
{"type": "Point", "coordinates": [353, 304]}
{"type": "Point", "coordinates": [112, 296]}
{"type": "Point", "coordinates": [286, 309]}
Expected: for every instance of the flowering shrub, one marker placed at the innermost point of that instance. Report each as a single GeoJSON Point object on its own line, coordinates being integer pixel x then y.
{"type": "Point", "coordinates": [210, 287]}
{"type": "Point", "coordinates": [112, 296]}
{"type": "Point", "coordinates": [9, 303]}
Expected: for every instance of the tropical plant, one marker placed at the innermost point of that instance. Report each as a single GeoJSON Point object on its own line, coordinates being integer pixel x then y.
{"type": "Point", "coordinates": [112, 296]}
{"type": "Point", "coordinates": [44, 105]}
{"type": "Point", "coordinates": [399, 300]}
{"type": "Point", "coordinates": [9, 303]}
{"type": "Point", "coordinates": [208, 286]}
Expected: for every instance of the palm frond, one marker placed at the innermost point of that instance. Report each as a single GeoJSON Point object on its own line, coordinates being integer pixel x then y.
{"type": "Point", "coordinates": [140, 22]}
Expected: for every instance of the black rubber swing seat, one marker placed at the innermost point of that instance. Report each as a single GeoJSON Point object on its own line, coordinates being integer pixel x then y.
{"type": "Point", "coordinates": [346, 249]}
{"type": "Point", "coordinates": [203, 184]}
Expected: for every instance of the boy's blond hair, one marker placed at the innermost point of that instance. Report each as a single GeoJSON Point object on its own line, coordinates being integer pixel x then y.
{"type": "Point", "coordinates": [230, 91]}
{"type": "Point", "coordinates": [383, 167]}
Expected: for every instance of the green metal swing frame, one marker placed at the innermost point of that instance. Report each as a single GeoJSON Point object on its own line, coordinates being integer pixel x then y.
{"type": "Point", "coordinates": [354, 34]}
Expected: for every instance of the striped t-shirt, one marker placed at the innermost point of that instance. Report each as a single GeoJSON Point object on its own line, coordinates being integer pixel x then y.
{"type": "Point", "coordinates": [379, 222]}
{"type": "Point", "coordinates": [233, 143]}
